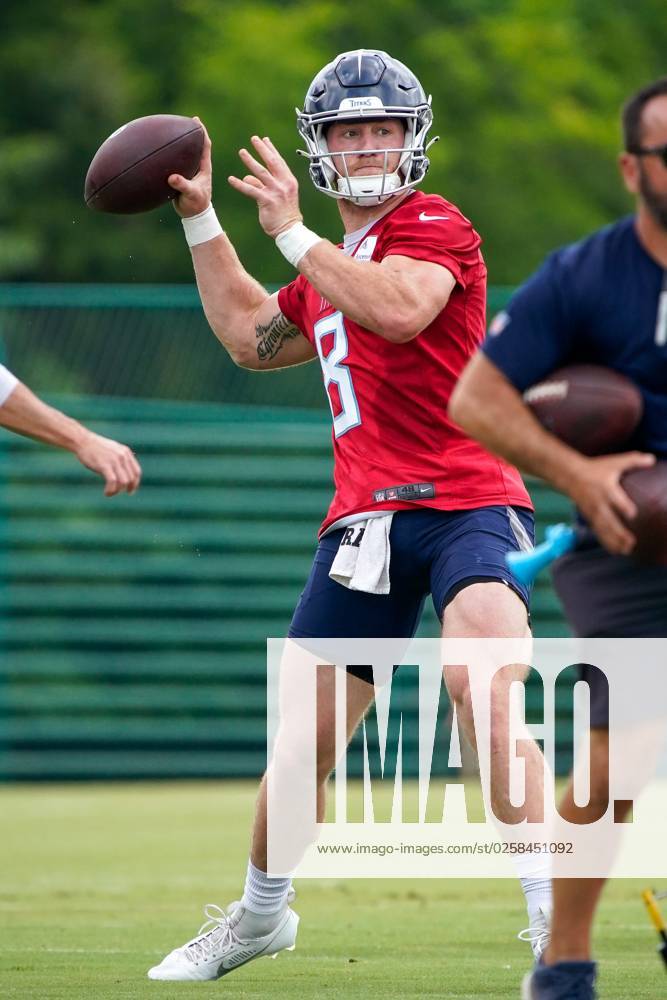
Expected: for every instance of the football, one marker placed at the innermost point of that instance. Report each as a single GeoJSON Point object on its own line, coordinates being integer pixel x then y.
{"type": "Point", "coordinates": [129, 171]}
{"type": "Point", "coordinates": [591, 408]}
{"type": "Point", "coordinates": [648, 489]}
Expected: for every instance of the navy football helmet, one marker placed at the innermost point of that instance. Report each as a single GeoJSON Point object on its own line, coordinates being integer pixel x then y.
{"type": "Point", "coordinates": [365, 84]}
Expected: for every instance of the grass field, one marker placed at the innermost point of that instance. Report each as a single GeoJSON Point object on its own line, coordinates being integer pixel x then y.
{"type": "Point", "coordinates": [99, 881]}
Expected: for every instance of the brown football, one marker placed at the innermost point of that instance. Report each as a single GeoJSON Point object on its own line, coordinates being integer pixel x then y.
{"type": "Point", "coordinates": [592, 408]}
{"type": "Point", "coordinates": [648, 489]}
{"type": "Point", "coordinates": [130, 169]}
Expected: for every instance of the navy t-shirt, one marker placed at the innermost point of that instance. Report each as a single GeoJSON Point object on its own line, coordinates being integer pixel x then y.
{"type": "Point", "coordinates": [600, 301]}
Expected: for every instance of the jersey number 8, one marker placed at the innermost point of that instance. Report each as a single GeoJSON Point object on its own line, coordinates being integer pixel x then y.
{"type": "Point", "coordinates": [336, 373]}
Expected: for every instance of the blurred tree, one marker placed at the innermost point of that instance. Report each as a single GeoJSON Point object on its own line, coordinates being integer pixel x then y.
{"type": "Point", "coordinates": [525, 93]}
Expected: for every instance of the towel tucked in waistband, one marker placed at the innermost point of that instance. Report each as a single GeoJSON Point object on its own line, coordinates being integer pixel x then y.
{"type": "Point", "coordinates": [362, 560]}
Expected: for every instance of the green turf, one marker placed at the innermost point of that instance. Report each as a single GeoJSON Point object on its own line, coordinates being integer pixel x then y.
{"type": "Point", "coordinates": [99, 881]}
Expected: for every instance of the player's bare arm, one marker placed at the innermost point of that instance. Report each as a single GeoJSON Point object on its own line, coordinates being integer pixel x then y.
{"type": "Point", "coordinates": [397, 298]}
{"type": "Point", "coordinates": [274, 337]}
{"type": "Point", "coordinates": [246, 320]}
{"type": "Point", "coordinates": [26, 414]}
{"type": "Point", "coordinates": [244, 317]}
{"type": "Point", "coordinates": [488, 407]}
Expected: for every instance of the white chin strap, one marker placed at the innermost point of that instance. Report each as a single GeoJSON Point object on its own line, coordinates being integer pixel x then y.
{"type": "Point", "coordinates": [371, 190]}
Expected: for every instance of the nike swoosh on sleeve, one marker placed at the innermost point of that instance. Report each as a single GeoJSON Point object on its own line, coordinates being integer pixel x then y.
{"type": "Point", "coordinates": [423, 217]}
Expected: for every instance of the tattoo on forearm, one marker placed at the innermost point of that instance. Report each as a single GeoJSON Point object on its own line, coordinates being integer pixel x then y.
{"type": "Point", "coordinates": [270, 338]}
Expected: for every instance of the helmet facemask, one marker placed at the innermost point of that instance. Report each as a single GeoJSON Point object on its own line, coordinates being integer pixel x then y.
{"type": "Point", "coordinates": [372, 189]}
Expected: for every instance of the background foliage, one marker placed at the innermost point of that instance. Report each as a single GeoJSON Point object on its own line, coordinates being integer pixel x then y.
{"type": "Point", "coordinates": [525, 92]}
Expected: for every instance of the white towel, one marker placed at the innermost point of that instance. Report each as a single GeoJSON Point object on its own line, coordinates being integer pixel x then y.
{"type": "Point", "coordinates": [362, 563]}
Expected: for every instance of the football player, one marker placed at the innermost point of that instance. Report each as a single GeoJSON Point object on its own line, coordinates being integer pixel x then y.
{"type": "Point", "coordinates": [604, 301]}
{"type": "Point", "coordinates": [393, 315]}
{"type": "Point", "coordinates": [23, 412]}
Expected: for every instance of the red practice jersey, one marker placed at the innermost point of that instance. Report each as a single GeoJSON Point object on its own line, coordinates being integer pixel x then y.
{"type": "Point", "coordinates": [389, 401]}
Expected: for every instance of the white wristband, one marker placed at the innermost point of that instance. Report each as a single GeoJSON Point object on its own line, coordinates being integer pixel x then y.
{"type": "Point", "coordinates": [295, 242]}
{"type": "Point", "coordinates": [8, 383]}
{"type": "Point", "coordinates": [202, 228]}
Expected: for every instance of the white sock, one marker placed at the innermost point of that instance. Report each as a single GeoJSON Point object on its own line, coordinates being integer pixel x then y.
{"type": "Point", "coordinates": [263, 894]}
{"type": "Point", "coordinates": [264, 900]}
{"type": "Point", "coordinates": [534, 871]}
{"type": "Point", "coordinates": [537, 891]}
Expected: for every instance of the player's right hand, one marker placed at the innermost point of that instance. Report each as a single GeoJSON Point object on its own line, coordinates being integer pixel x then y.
{"type": "Point", "coordinates": [194, 196]}
{"type": "Point", "coordinates": [597, 491]}
{"type": "Point", "coordinates": [113, 461]}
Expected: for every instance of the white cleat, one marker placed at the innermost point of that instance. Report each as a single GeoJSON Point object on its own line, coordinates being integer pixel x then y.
{"type": "Point", "coordinates": [217, 950]}
{"type": "Point", "coordinates": [539, 932]}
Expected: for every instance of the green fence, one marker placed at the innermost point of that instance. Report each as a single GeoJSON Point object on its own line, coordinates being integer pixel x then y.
{"type": "Point", "coordinates": [133, 630]}
{"type": "Point", "coordinates": [139, 341]}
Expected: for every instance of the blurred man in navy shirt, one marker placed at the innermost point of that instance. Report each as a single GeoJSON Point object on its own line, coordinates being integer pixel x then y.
{"type": "Point", "coordinates": [603, 301]}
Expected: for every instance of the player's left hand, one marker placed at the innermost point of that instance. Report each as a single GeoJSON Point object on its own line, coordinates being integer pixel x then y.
{"type": "Point", "coordinates": [272, 185]}
{"type": "Point", "coordinates": [113, 461]}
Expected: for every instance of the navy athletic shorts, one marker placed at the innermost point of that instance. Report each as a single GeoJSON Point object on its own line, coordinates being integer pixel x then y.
{"type": "Point", "coordinates": [432, 552]}
{"type": "Point", "coordinates": [610, 597]}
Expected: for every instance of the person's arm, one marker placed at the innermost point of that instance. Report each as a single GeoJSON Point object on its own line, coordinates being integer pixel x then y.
{"type": "Point", "coordinates": [488, 408]}
{"type": "Point", "coordinates": [246, 320]}
{"type": "Point", "coordinates": [396, 298]}
{"type": "Point", "coordinates": [24, 413]}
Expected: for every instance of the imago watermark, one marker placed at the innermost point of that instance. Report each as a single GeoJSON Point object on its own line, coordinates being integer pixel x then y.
{"type": "Point", "coordinates": [436, 758]}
